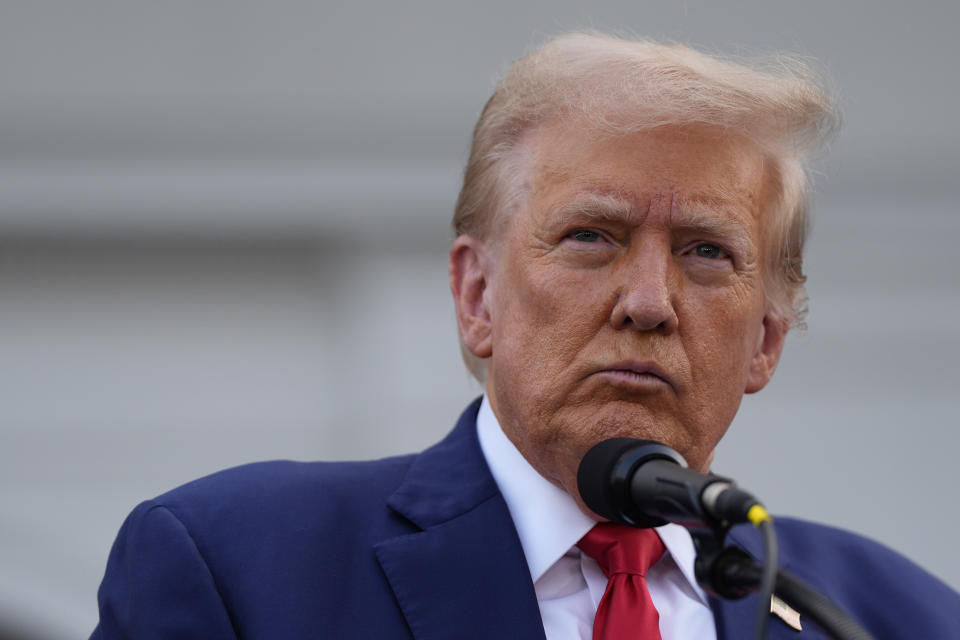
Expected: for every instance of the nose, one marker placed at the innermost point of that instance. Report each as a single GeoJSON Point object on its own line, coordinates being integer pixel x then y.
{"type": "Point", "coordinates": [646, 297]}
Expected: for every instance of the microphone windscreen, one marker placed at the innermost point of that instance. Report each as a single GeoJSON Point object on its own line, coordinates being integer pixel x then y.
{"type": "Point", "coordinates": [595, 476]}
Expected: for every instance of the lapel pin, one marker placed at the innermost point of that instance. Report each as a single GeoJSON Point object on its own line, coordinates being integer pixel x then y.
{"type": "Point", "coordinates": [785, 612]}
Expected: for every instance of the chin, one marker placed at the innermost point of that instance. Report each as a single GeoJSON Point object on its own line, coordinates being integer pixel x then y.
{"type": "Point", "coordinates": [635, 421]}
{"type": "Point", "coordinates": [695, 446]}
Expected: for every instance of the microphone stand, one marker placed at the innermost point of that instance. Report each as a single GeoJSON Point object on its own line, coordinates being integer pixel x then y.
{"type": "Point", "coordinates": [730, 573]}
{"type": "Point", "coordinates": [643, 483]}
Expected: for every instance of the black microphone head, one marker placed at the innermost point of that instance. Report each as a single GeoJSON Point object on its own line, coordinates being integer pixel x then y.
{"type": "Point", "coordinates": [603, 478]}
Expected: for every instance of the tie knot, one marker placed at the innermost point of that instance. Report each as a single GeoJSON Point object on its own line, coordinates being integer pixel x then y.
{"type": "Point", "coordinates": [621, 549]}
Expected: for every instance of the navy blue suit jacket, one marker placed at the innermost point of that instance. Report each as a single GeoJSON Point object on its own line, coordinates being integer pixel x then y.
{"type": "Point", "coordinates": [418, 546]}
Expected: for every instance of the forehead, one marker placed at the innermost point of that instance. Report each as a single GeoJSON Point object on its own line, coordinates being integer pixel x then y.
{"type": "Point", "coordinates": [701, 171]}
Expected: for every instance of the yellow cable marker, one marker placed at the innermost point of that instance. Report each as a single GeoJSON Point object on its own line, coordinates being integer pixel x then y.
{"type": "Point", "coordinates": [757, 515]}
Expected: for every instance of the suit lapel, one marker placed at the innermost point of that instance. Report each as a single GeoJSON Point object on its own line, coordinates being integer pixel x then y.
{"type": "Point", "coordinates": [463, 575]}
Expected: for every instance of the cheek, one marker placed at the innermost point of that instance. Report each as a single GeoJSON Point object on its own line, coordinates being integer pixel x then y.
{"type": "Point", "coordinates": [722, 330]}
{"type": "Point", "coordinates": [552, 307]}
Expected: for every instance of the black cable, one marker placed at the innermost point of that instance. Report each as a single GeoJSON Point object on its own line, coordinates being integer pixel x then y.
{"type": "Point", "coordinates": [729, 572]}
{"type": "Point", "coordinates": [768, 578]}
{"type": "Point", "coordinates": [810, 602]}
{"type": "Point", "coordinates": [734, 573]}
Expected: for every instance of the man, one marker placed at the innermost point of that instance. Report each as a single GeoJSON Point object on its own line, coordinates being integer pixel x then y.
{"type": "Point", "coordinates": [627, 263]}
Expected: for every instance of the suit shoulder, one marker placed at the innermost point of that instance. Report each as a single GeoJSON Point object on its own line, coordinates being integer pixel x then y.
{"type": "Point", "coordinates": [246, 542]}
{"type": "Point", "coordinates": [288, 475]}
{"type": "Point", "coordinates": [278, 490]}
{"type": "Point", "coordinates": [820, 543]}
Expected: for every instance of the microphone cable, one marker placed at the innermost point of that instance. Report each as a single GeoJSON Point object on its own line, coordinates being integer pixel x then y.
{"type": "Point", "coordinates": [759, 517]}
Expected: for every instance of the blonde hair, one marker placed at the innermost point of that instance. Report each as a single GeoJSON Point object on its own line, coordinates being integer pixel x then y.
{"type": "Point", "coordinates": [620, 86]}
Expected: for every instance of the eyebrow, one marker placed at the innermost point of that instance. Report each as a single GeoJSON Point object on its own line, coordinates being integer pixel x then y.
{"type": "Point", "coordinates": [596, 206]}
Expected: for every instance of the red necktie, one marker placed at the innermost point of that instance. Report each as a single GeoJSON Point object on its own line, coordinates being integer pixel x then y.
{"type": "Point", "coordinates": [626, 610]}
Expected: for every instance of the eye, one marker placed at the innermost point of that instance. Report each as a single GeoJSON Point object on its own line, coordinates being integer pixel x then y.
{"type": "Point", "coordinates": [584, 235]}
{"type": "Point", "coordinates": [710, 251]}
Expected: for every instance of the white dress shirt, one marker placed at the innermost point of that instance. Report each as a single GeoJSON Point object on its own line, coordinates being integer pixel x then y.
{"type": "Point", "coordinates": [569, 585]}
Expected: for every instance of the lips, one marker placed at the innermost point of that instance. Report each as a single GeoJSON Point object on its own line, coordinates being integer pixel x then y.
{"type": "Point", "coordinates": [634, 373]}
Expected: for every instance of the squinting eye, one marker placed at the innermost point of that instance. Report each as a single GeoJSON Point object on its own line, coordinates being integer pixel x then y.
{"type": "Point", "coordinates": [711, 251]}
{"type": "Point", "coordinates": [585, 235]}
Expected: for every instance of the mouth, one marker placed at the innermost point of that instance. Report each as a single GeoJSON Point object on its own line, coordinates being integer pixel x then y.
{"type": "Point", "coordinates": [636, 375]}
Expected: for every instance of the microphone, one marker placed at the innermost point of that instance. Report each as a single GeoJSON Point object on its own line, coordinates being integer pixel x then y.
{"type": "Point", "coordinates": [643, 483]}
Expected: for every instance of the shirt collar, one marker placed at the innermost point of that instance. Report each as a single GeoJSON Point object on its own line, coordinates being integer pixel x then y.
{"type": "Point", "coordinates": [547, 519]}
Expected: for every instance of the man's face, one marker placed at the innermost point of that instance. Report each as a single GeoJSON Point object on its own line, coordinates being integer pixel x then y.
{"type": "Point", "coordinates": [625, 298]}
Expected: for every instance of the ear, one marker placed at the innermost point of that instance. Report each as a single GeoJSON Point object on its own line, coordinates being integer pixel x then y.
{"type": "Point", "coordinates": [468, 284]}
{"type": "Point", "coordinates": [773, 334]}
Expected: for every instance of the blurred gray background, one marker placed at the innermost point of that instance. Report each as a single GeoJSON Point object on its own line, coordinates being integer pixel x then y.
{"type": "Point", "coordinates": [223, 235]}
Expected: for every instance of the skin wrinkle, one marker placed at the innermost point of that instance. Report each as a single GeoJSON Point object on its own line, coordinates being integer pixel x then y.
{"type": "Point", "coordinates": [557, 312]}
